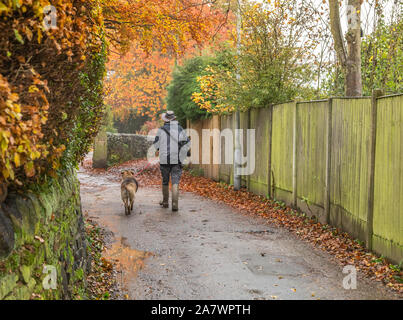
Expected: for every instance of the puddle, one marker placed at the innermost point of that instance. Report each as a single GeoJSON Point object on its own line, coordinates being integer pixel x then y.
{"type": "Point", "coordinates": [128, 261]}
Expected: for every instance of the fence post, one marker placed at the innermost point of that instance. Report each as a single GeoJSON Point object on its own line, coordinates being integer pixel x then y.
{"type": "Point", "coordinates": [270, 129]}
{"type": "Point", "coordinates": [328, 160]}
{"type": "Point", "coordinates": [248, 126]}
{"type": "Point", "coordinates": [294, 158]}
{"type": "Point", "coordinates": [371, 172]}
{"type": "Point", "coordinates": [100, 155]}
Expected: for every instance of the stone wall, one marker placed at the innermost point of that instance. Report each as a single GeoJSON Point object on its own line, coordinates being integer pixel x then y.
{"type": "Point", "coordinates": [125, 147]}
{"type": "Point", "coordinates": [45, 228]}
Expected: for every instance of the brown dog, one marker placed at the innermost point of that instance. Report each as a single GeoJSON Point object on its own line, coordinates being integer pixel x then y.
{"type": "Point", "coordinates": [128, 189]}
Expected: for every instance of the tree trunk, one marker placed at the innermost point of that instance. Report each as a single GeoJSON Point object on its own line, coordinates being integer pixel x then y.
{"type": "Point", "coordinates": [353, 37]}
{"type": "Point", "coordinates": [349, 59]}
{"type": "Point", "coordinates": [335, 27]}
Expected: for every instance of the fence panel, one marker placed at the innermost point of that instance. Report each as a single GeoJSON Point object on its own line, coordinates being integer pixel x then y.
{"type": "Point", "coordinates": [282, 151]}
{"type": "Point", "coordinates": [260, 121]}
{"type": "Point", "coordinates": [311, 156]}
{"type": "Point", "coordinates": [211, 125]}
{"type": "Point", "coordinates": [351, 122]}
{"type": "Point", "coordinates": [388, 187]}
{"type": "Point", "coordinates": [244, 126]}
{"type": "Point", "coordinates": [196, 151]}
{"type": "Point", "coordinates": [225, 171]}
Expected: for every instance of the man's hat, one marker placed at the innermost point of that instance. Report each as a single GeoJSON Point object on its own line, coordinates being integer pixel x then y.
{"type": "Point", "coordinates": [168, 116]}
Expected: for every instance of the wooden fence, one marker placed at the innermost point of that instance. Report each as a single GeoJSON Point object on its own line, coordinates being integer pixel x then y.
{"type": "Point", "coordinates": [339, 159]}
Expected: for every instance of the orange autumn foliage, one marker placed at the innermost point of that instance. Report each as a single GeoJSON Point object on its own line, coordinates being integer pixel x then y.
{"type": "Point", "coordinates": [41, 92]}
{"type": "Point", "coordinates": [150, 36]}
{"type": "Point", "coordinates": [51, 80]}
{"type": "Point", "coordinates": [170, 26]}
{"type": "Point", "coordinates": [137, 81]}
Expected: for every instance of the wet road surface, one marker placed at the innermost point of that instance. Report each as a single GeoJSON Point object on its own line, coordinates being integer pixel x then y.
{"type": "Point", "coordinates": [210, 251]}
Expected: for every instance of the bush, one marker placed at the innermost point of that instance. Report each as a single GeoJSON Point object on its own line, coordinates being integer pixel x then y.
{"type": "Point", "coordinates": [183, 85]}
{"type": "Point", "coordinates": [130, 123]}
{"type": "Point", "coordinates": [381, 61]}
{"type": "Point", "coordinates": [51, 103]}
{"type": "Point", "coordinates": [274, 63]}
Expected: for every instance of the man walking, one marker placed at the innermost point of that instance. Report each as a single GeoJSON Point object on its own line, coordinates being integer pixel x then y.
{"type": "Point", "coordinates": [173, 145]}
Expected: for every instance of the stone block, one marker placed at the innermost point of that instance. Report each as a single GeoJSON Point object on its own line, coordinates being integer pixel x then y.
{"type": "Point", "coordinates": [8, 283]}
{"type": "Point", "coordinates": [6, 234]}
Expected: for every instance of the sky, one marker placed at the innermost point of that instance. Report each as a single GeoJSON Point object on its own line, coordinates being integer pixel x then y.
{"type": "Point", "coordinates": [367, 11]}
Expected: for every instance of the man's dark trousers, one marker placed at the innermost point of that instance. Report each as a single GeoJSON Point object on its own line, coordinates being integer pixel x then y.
{"type": "Point", "coordinates": [173, 171]}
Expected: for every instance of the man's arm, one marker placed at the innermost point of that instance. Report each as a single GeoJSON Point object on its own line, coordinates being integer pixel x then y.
{"type": "Point", "coordinates": [156, 142]}
{"type": "Point", "coordinates": [184, 140]}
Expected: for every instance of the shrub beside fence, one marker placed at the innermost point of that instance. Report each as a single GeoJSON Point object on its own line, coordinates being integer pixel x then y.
{"type": "Point", "coordinates": [338, 159]}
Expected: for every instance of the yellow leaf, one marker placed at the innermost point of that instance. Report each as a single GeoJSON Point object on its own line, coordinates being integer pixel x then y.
{"type": "Point", "coordinates": [11, 172]}
{"type": "Point", "coordinates": [3, 7]}
{"type": "Point", "coordinates": [17, 160]}
{"type": "Point", "coordinates": [5, 173]}
{"type": "Point", "coordinates": [39, 36]}
{"type": "Point", "coordinates": [33, 89]}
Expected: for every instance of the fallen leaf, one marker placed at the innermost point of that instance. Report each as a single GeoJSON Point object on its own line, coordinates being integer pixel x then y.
{"type": "Point", "coordinates": [39, 239]}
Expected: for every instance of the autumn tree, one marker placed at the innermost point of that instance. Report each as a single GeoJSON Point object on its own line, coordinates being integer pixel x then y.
{"type": "Point", "coordinates": [274, 62]}
{"type": "Point", "coordinates": [185, 85]}
{"type": "Point", "coordinates": [170, 26]}
{"type": "Point", "coordinates": [137, 82]}
{"type": "Point", "coordinates": [148, 38]}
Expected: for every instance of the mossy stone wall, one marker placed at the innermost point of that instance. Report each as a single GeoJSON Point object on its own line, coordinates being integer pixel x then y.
{"type": "Point", "coordinates": [125, 147]}
{"type": "Point", "coordinates": [41, 229]}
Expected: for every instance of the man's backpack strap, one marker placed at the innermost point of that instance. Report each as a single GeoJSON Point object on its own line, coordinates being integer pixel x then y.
{"type": "Point", "coordinates": [181, 144]}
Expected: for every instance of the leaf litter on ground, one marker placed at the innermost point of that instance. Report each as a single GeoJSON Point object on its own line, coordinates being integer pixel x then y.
{"type": "Point", "coordinates": [102, 281]}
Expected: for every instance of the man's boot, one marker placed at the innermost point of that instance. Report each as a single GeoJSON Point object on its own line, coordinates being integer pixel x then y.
{"type": "Point", "coordinates": [165, 197]}
{"type": "Point", "coordinates": [175, 197]}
